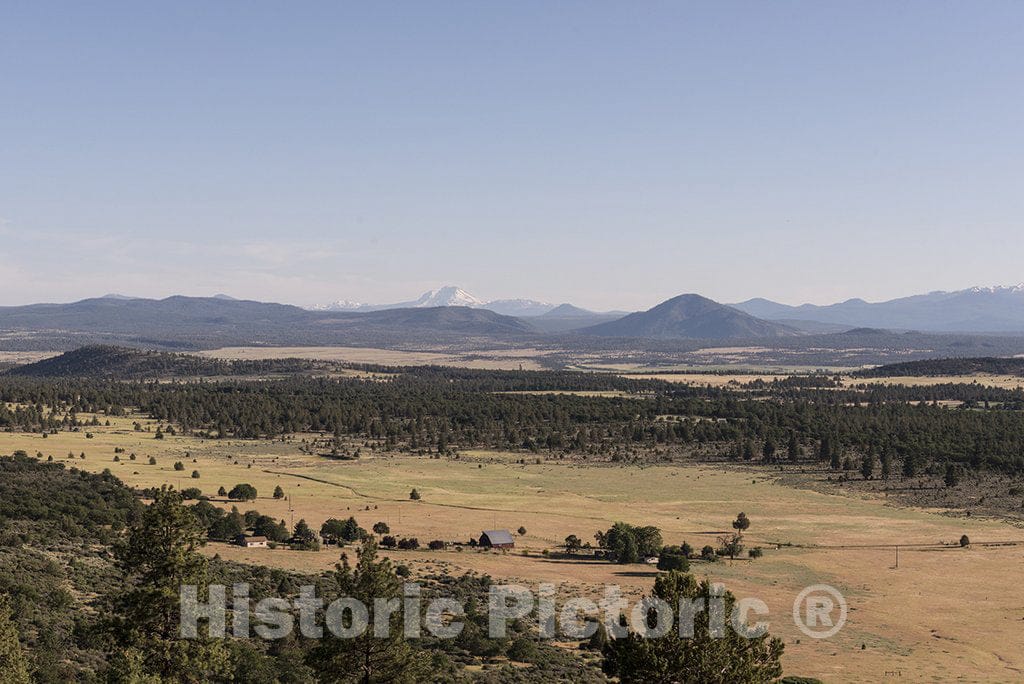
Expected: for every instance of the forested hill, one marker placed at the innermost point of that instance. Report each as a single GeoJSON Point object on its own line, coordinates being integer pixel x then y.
{"type": "Point", "coordinates": [690, 316]}
{"type": "Point", "coordinates": [944, 367]}
{"type": "Point", "coordinates": [121, 363]}
{"type": "Point", "coordinates": [209, 322]}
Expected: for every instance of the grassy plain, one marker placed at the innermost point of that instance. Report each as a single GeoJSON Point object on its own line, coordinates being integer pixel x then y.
{"type": "Point", "coordinates": [531, 359]}
{"type": "Point", "coordinates": [22, 357]}
{"type": "Point", "coordinates": [987, 379]}
{"type": "Point", "coordinates": [946, 613]}
{"type": "Point", "coordinates": [502, 359]}
{"type": "Point", "coordinates": [706, 379]}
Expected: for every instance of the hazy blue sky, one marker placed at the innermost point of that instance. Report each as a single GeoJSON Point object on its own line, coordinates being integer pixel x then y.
{"type": "Point", "coordinates": [608, 154]}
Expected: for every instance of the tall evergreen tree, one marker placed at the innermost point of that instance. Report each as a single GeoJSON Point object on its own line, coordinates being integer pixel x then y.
{"type": "Point", "coordinates": [159, 557]}
{"type": "Point", "coordinates": [835, 462]}
{"type": "Point", "coordinates": [748, 450]}
{"type": "Point", "coordinates": [867, 466]}
{"type": "Point", "coordinates": [13, 665]}
{"type": "Point", "coordinates": [700, 659]}
{"type": "Point", "coordinates": [909, 466]}
{"type": "Point", "coordinates": [825, 449]}
{"type": "Point", "coordinates": [886, 464]}
{"type": "Point", "coordinates": [793, 450]}
{"type": "Point", "coordinates": [367, 658]}
{"type": "Point", "coordinates": [952, 477]}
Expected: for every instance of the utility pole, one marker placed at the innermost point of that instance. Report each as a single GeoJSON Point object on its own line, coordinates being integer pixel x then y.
{"type": "Point", "coordinates": [897, 557]}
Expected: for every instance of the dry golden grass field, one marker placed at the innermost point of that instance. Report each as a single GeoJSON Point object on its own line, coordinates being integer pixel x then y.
{"type": "Point", "coordinates": [702, 379]}
{"type": "Point", "coordinates": [21, 357]}
{"type": "Point", "coordinates": [530, 359]}
{"type": "Point", "coordinates": [945, 614]}
{"type": "Point", "coordinates": [987, 379]}
{"type": "Point", "coordinates": [504, 359]}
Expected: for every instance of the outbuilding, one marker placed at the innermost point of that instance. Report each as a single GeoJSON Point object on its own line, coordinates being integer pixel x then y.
{"type": "Point", "coordinates": [497, 539]}
{"type": "Point", "coordinates": [254, 542]}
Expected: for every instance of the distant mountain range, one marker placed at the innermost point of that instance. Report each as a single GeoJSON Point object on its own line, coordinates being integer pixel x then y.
{"type": "Point", "coordinates": [450, 295]}
{"type": "Point", "coordinates": [690, 316]}
{"type": "Point", "coordinates": [977, 309]}
{"type": "Point", "coordinates": [204, 322]}
{"type": "Point", "coordinates": [974, 310]}
{"type": "Point", "coordinates": [451, 316]}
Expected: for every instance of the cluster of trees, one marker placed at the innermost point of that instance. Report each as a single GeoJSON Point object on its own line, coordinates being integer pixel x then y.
{"type": "Point", "coordinates": [942, 367]}
{"type": "Point", "coordinates": [221, 525]}
{"type": "Point", "coordinates": [97, 506]}
{"type": "Point", "coordinates": [405, 543]}
{"type": "Point", "coordinates": [122, 623]}
{"type": "Point", "coordinates": [335, 531]}
{"type": "Point", "coordinates": [123, 363]}
{"type": "Point", "coordinates": [627, 543]}
{"type": "Point", "coordinates": [441, 409]}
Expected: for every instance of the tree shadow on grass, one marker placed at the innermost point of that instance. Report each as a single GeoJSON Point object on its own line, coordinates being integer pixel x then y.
{"type": "Point", "coordinates": [577, 561]}
{"type": "Point", "coordinates": [637, 573]}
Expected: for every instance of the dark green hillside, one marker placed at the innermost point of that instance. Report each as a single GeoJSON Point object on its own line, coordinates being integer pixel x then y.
{"type": "Point", "coordinates": [942, 367]}
{"type": "Point", "coordinates": [121, 363]}
{"type": "Point", "coordinates": [75, 503]}
{"type": "Point", "coordinates": [55, 527]}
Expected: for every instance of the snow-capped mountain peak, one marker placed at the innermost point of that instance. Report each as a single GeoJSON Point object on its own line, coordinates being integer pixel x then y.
{"type": "Point", "coordinates": [340, 305]}
{"type": "Point", "coordinates": [449, 295]}
{"type": "Point", "coordinates": [998, 289]}
{"type": "Point", "coordinates": [519, 307]}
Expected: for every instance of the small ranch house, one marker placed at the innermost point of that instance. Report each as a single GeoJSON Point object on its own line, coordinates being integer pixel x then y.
{"type": "Point", "coordinates": [248, 542]}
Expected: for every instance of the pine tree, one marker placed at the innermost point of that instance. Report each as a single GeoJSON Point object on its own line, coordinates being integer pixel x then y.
{"type": "Point", "coordinates": [368, 658]}
{"type": "Point", "coordinates": [836, 460]}
{"type": "Point", "coordinates": [952, 477]}
{"type": "Point", "coordinates": [909, 466]}
{"type": "Point", "coordinates": [886, 464]}
{"type": "Point", "coordinates": [599, 638]}
{"type": "Point", "coordinates": [867, 466]}
{"type": "Point", "coordinates": [159, 557]}
{"type": "Point", "coordinates": [13, 666]}
{"type": "Point", "coordinates": [825, 449]}
{"type": "Point", "coordinates": [748, 450]}
{"type": "Point", "coordinates": [702, 657]}
{"type": "Point", "coordinates": [793, 450]}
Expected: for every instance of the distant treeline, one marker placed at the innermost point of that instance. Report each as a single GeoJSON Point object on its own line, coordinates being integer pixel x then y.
{"type": "Point", "coordinates": [940, 367]}
{"type": "Point", "coordinates": [438, 410]}
{"type": "Point", "coordinates": [478, 380]}
{"type": "Point", "coordinates": [123, 363]}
